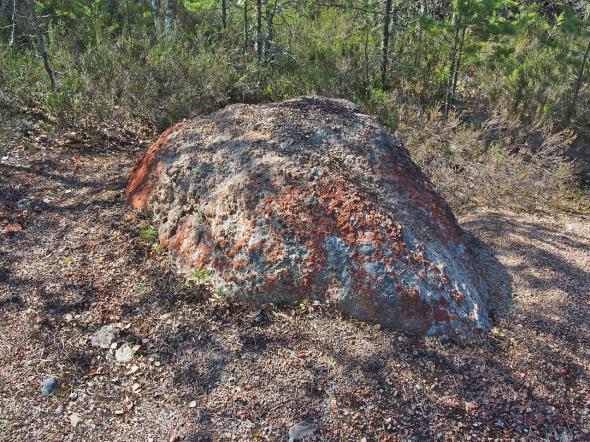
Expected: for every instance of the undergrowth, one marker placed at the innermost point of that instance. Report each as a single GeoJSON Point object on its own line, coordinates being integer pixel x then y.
{"type": "Point", "coordinates": [474, 158]}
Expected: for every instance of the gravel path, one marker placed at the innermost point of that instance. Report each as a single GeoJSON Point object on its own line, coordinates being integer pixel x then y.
{"type": "Point", "coordinates": [203, 370]}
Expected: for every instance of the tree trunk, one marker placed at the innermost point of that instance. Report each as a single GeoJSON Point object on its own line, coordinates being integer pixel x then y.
{"type": "Point", "coordinates": [366, 49]}
{"type": "Point", "coordinates": [128, 19]}
{"type": "Point", "coordinates": [224, 14]}
{"type": "Point", "coordinates": [258, 37]}
{"type": "Point", "coordinates": [246, 38]}
{"type": "Point", "coordinates": [452, 63]}
{"type": "Point", "coordinates": [42, 50]}
{"type": "Point", "coordinates": [385, 43]}
{"type": "Point", "coordinates": [156, 16]}
{"type": "Point", "coordinates": [12, 32]}
{"type": "Point", "coordinates": [459, 56]}
{"type": "Point", "coordinates": [268, 20]}
{"type": "Point", "coordinates": [424, 7]}
{"type": "Point", "coordinates": [169, 18]}
{"type": "Point", "coordinates": [458, 64]}
{"type": "Point", "coordinates": [269, 15]}
{"type": "Point", "coordinates": [572, 110]}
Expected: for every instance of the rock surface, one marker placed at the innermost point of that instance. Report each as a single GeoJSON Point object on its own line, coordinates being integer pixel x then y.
{"type": "Point", "coordinates": [310, 199]}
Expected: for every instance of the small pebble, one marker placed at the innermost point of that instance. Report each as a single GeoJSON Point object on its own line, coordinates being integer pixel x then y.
{"type": "Point", "coordinates": [124, 353]}
{"type": "Point", "coordinates": [49, 386]}
{"type": "Point", "coordinates": [259, 317]}
{"type": "Point", "coordinates": [104, 337]}
{"type": "Point", "coordinates": [75, 419]}
{"type": "Point", "coordinates": [300, 431]}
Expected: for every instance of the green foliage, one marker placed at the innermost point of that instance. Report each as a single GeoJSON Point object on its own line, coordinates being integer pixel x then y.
{"type": "Point", "coordinates": [515, 59]}
{"type": "Point", "coordinates": [200, 274]}
{"type": "Point", "coordinates": [148, 233]}
{"type": "Point", "coordinates": [118, 80]}
{"type": "Point", "coordinates": [382, 106]}
{"type": "Point", "coordinates": [157, 248]}
{"type": "Point", "coordinates": [198, 5]}
{"type": "Point", "coordinates": [304, 305]}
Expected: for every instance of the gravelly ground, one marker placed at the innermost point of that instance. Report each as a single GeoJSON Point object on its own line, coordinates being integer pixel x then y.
{"type": "Point", "coordinates": [208, 371]}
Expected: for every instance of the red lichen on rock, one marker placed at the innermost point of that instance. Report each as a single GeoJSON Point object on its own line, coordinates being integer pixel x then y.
{"type": "Point", "coordinates": [144, 176]}
{"type": "Point", "coordinates": [296, 209]}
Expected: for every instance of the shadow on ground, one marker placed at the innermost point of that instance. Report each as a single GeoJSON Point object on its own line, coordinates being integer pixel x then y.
{"type": "Point", "coordinates": [80, 263]}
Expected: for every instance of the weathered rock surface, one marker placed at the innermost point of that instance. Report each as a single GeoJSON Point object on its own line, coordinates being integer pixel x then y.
{"type": "Point", "coordinates": [311, 199]}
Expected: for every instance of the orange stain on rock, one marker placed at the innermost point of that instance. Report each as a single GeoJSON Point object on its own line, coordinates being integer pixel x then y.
{"type": "Point", "coordinates": [144, 176]}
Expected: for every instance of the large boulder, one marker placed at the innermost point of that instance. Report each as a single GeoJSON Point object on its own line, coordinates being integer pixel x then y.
{"type": "Point", "coordinates": [310, 199]}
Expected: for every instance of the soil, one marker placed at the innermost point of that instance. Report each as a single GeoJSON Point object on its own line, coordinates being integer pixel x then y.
{"type": "Point", "coordinates": [205, 370]}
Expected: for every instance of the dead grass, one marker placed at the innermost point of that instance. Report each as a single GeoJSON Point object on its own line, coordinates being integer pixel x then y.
{"type": "Point", "coordinates": [493, 163]}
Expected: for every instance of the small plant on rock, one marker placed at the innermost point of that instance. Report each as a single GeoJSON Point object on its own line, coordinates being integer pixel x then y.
{"type": "Point", "coordinates": [220, 294]}
{"type": "Point", "coordinates": [200, 274]}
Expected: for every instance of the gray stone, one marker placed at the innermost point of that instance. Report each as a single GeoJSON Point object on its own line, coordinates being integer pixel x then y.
{"type": "Point", "coordinates": [49, 386]}
{"type": "Point", "coordinates": [75, 419]}
{"type": "Point", "coordinates": [124, 353]}
{"type": "Point", "coordinates": [301, 431]}
{"type": "Point", "coordinates": [104, 336]}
